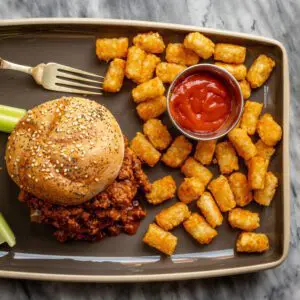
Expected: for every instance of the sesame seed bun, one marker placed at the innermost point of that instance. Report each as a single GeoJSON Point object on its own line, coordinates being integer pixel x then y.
{"type": "Point", "coordinates": [65, 151]}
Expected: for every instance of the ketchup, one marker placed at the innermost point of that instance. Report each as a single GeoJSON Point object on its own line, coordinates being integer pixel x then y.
{"type": "Point", "coordinates": [201, 103]}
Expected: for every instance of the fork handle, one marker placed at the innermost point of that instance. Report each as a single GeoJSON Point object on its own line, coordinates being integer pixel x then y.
{"type": "Point", "coordinates": [4, 64]}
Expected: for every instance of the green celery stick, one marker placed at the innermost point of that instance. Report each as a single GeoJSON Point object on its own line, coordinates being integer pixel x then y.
{"type": "Point", "coordinates": [8, 123]}
{"type": "Point", "coordinates": [12, 111]}
{"type": "Point", "coordinates": [6, 234]}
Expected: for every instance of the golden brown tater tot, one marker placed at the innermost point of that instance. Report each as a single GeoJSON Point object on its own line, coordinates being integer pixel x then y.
{"type": "Point", "coordinates": [148, 90]}
{"type": "Point", "coordinates": [242, 143]}
{"type": "Point", "coordinates": [260, 71]}
{"type": "Point", "coordinates": [264, 151]}
{"type": "Point", "coordinates": [152, 108]}
{"type": "Point", "coordinates": [200, 44]}
{"type": "Point", "coordinates": [176, 53]}
{"type": "Point", "coordinates": [199, 229]}
{"type": "Point", "coordinates": [266, 195]}
{"type": "Point", "coordinates": [229, 53]}
{"type": "Point", "coordinates": [157, 133]}
{"type": "Point", "coordinates": [250, 116]}
{"type": "Point", "coordinates": [161, 240]}
{"type": "Point", "coordinates": [167, 72]}
{"type": "Point", "coordinates": [190, 189]}
{"type": "Point", "coordinates": [205, 151]}
{"type": "Point", "coordinates": [268, 130]}
{"type": "Point", "coordinates": [144, 150]}
{"type": "Point", "coordinates": [177, 152]}
{"type": "Point", "coordinates": [245, 88]}
{"type": "Point", "coordinates": [150, 42]}
{"type": "Point", "coordinates": [210, 210]}
{"type": "Point", "coordinates": [239, 72]}
{"type": "Point", "coordinates": [161, 190]}
{"type": "Point", "coordinates": [172, 216]}
{"type": "Point", "coordinates": [222, 193]}
{"type": "Point", "coordinates": [252, 242]}
{"type": "Point", "coordinates": [240, 187]}
{"type": "Point", "coordinates": [226, 157]}
{"type": "Point", "coordinates": [107, 49]}
{"type": "Point", "coordinates": [257, 169]}
{"type": "Point", "coordinates": [149, 66]}
{"type": "Point", "coordinates": [243, 219]}
{"type": "Point", "coordinates": [114, 76]}
{"type": "Point", "coordinates": [192, 168]}
{"type": "Point", "coordinates": [134, 63]}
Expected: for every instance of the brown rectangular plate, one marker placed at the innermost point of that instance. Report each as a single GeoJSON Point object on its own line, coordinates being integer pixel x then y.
{"type": "Point", "coordinates": [38, 255]}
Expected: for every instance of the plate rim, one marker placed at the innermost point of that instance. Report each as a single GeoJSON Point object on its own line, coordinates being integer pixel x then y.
{"type": "Point", "coordinates": [285, 157]}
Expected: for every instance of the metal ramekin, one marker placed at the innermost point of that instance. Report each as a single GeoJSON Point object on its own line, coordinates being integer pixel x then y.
{"type": "Point", "coordinates": [237, 105]}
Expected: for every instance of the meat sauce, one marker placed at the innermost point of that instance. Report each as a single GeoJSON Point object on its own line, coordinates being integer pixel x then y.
{"type": "Point", "coordinates": [201, 103]}
{"type": "Point", "coordinates": [111, 212]}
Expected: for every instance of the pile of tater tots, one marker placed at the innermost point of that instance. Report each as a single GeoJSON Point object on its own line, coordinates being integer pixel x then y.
{"type": "Point", "coordinates": [229, 193]}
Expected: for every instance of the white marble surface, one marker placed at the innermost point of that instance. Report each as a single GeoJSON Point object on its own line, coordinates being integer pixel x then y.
{"type": "Point", "coordinates": [277, 19]}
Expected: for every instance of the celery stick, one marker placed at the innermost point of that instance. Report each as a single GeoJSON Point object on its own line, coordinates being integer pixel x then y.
{"type": "Point", "coordinates": [12, 111]}
{"type": "Point", "coordinates": [5, 232]}
{"type": "Point", "coordinates": [8, 123]}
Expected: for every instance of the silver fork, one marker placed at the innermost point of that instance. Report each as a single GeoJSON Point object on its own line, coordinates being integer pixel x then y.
{"type": "Point", "coordinates": [60, 78]}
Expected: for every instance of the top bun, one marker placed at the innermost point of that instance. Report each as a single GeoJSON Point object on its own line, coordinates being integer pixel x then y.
{"type": "Point", "coordinates": [65, 151]}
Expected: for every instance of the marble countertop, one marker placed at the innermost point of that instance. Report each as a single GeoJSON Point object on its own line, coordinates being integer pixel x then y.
{"type": "Point", "coordinates": [276, 19]}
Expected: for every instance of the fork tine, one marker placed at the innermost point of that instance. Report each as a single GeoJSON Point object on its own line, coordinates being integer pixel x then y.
{"type": "Point", "coordinates": [69, 76]}
{"type": "Point", "coordinates": [69, 69]}
{"type": "Point", "coordinates": [74, 91]}
{"type": "Point", "coordinates": [75, 84]}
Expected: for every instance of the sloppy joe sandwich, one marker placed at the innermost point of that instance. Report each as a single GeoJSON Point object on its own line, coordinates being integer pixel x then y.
{"type": "Point", "coordinates": [74, 169]}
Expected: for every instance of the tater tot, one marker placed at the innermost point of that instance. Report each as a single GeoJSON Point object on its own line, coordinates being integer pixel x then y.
{"type": "Point", "coordinates": [149, 66]}
{"type": "Point", "coordinates": [268, 130]}
{"type": "Point", "coordinates": [144, 150]}
{"type": "Point", "coordinates": [167, 72]}
{"type": "Point", "coordinates": [172, 216]}
{"type": "Point", "coordinates": [257, 169]}
{"type": "Point", "coordinates": [265, 195]}
{"type": "Point", "coordinates": [222, 193]}
{"type": "Point", "coordinates": [245, 88]}
{"type": "Point", "coordinates": [152, 108]}
{"type": "Point", "coordinates": [192, 168]}
{"type": "Point", "coordinates": [176, 53]}
{"type": "Point", "coordinates": [177, 152]}
{"type": "Point", "coordinates": [134, 63]}
{"type": "Point", "coordinates": [243, 219]}
{"type": "Point", "coordinates": [150, 42]}
{"type": "Point", "coordinates": [199, 229]}
{"type": "Point", "coordinates": [252, 242]}
{"type": "Point", "coordinates": [260, 71]}
{"type": "Point", "coordinates": [250, 116]}
{"type": "Point", "coordinates": [157, 133]}
{"type": "Point", "coordinates": [242, 143]}
{"type": "Point", "coordinates": [205, 151]}
{"type": "Point", "coordinates": [239, 72]}
{"type": "Point", "coordinates": [114, 76]}
{"type": "Point", "coordinates": [190, 189]}
{"type": "Point", "coordinates": [148, 90]}
{"type": "Point", "coordinates": [200, 44]}
{"type": "Point", "coordinates": [107, 49]}
{"type": "Point", "coordinates": [210, 210]}
{"type": "Point", "coordinates": [226, 157]}
{"type": "Point", "coordinates": [264, 151]}
{"type": "Point", "coordinates": [160, 239]}
{"type": "Point", "coordinates": [228, 53]}
{"type": "Point", "coordinates": [240, 187]}
{"type": "Point", "coordinates": [162, 190]}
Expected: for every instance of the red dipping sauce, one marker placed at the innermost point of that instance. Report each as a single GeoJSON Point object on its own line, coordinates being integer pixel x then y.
{"type": "Point", "coordinates": [201, 103]}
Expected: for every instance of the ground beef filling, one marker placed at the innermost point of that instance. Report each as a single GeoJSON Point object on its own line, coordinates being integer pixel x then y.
{"type": "Point", "coordinates": [111, 212]}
